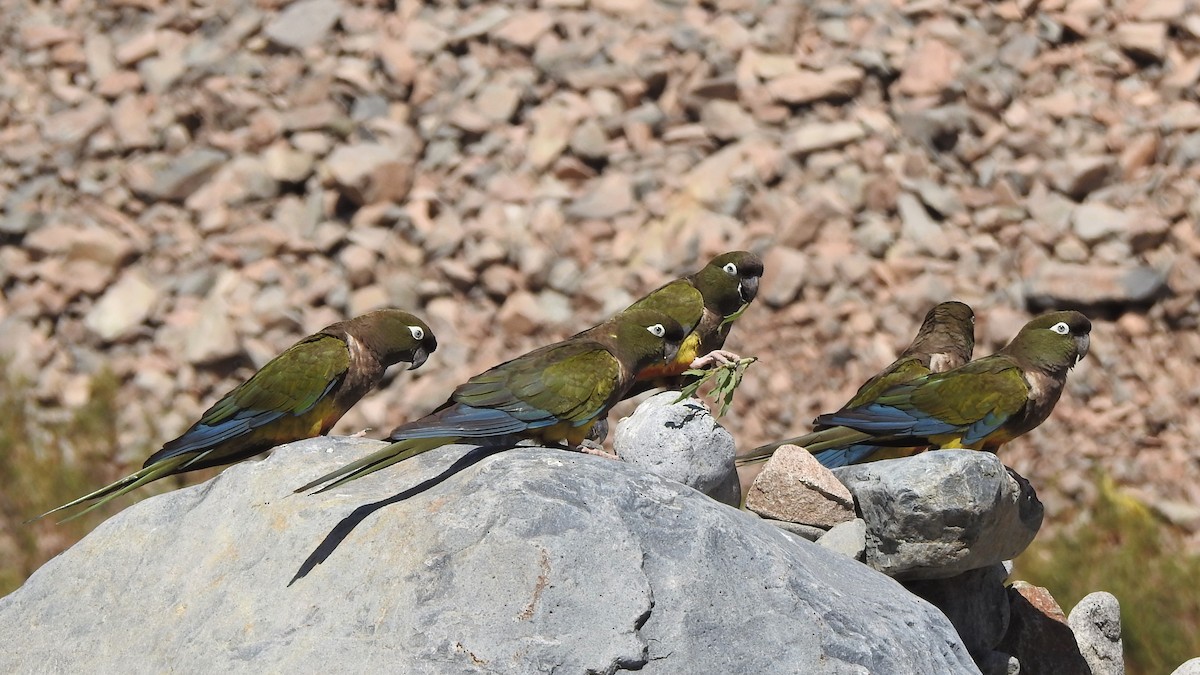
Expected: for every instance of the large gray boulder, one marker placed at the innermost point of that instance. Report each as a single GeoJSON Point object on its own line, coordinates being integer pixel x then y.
{"type": "Point", "coordinates": [460, 561]}
{"type": "Point", "coordinates": [939, 514]}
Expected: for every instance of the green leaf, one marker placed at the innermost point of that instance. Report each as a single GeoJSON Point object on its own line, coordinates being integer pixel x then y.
{"type": "Point", "coordinates": [722, 382]}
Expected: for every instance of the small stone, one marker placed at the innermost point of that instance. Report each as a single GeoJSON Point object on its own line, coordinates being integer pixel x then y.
{"type": "Point", "coordinates": [607, 197]}
{"type": "Point", "coordinates": [1079, 175]}
{"type": "Point", "coordinates": [793, 486]}
{"type": "Point", "coordinates": [160, 178]}
{"type": "Point", "coordinates": [304, 23]}
{"type": "Point", "coordinates": [726, 120]}
{"type": "Point", "coordinates": [848, 538]}
{"type": "Point", "coordinates": [212, 337]}
{"type": "Point", "coordinates": [816, 137]}
{"type": "Point", "coordinates": [287, 165]}
{"type": "Point", "coordinates": [929, 69]}
{"type": "Point", "coordinates": [552, 125]}
{"type": "Point", "coordinates": [370, 172]}
{"type": "Point", "coordinates": [1096, 622]}
{"type": "Point", "coordinates": [589, 140]}
{"type": "Point", "coordinates": [74, 125]}
{"type": "Point", "coordinates": [131, 122]}
{"type": "Point", "coordinates": [1038, 634]}
{"type": "Point", "coordinates": [123, 308]}
{"type": "Point", "coordinates": [1094, 222]}
{"type": "Point", "coordinates": [678, 440]}
{"type": "Point", "coordinates": [524, 29]}
{"type": "Point", "coordinates": [784, 276]}
{"type": "Point", "coordinates": [836, 83]}
{"type": "Point", "coordinates": [1143, 40]}
{"type": "Point", "coordinates": [918, 227]}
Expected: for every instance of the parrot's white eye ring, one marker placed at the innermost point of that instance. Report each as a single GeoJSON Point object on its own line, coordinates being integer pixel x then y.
{"type": "Point", "coordinates": [418, 333]}
{"type": "Point", "coordinates": [1061, 328]}
{"type": "Point", "coordinates": [657, 330]}
{"type": "Point", "coordinates": [730, 268]}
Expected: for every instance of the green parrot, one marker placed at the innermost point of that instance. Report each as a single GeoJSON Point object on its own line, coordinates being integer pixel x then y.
{"type": "Point", "coordinates": [945, 340]}
{"type": "Point", "coordinates": [552, 394]}
{"type": "Point", "coordinates": [301, 393]}
{"type": "Point", "coordinates": [979, 406]}
{"type": "Point", "coordinates": [705, 303]}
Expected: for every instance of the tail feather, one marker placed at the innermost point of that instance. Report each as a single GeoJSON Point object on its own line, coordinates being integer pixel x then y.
{"type": "Point", "coordinates": [125, 485]}
{"type": "Point", "coordinates": [385, 457]}
{"type": "Point", "coordinates": [837, 457]}
{"type": "Point", "coordinates": [817, 441]}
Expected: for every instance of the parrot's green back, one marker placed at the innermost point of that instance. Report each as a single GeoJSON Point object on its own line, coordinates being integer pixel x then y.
{"type": "Point", "coordinates": [301, 393]}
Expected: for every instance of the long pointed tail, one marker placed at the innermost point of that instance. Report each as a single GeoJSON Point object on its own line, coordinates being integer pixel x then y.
{"type": "Point", "coordinates": [127, 484]}
{"type": "Point", "coordinates": [816, 442]}
{"type": "Point", "coordinates": [385, 457]}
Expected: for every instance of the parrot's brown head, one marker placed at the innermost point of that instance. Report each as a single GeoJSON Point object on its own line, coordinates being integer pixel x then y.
{"type": "Point", "coordinates": [729, 281]}
{"type": "Point", "coordinates": [394, 335]}
{"type": "Point", "coordinates": [646, 337]}
{"type": "Point", "coordinates": [946, 337]}
{"type": "Point", "coordinates": [1053, 342]}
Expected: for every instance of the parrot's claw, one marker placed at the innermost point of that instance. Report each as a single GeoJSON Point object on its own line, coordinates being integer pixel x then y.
{"type": "Point", "coordinates": [719, 357]}
{"type": "Point", "coordinates": [590, 447]}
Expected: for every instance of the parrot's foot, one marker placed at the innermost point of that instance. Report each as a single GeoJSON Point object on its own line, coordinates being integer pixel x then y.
{"type": "Point", "coordinates": [590, 447]}
{"type": "Point", "coordinates": [360, 434]}
{"type": "Point", "coordinates": [719, 357]}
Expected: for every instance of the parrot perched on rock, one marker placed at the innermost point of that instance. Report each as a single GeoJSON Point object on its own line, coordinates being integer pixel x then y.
{"type": "Point", "coordinates": [301, 393]}
{"type": "Point", "coordinates": [552, 394]}
{"type": "Point", "coordinates": [945, 340]}
{"type": "Point", "coordinates": [705, 303]}
{"type": "Point", "coordinates": [978, 406]}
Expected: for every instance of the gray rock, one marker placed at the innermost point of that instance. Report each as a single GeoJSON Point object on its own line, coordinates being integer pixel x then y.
{"type": "Point", "coordinates": [938, 514]}
{"type": "Point", "coordinates": [1189, 667]}
{"type": "Point", "coordinates": [976, 602]}
{"type": "Point", "coordinates": [463, 561]}
{"type": "Point", "coordinates": [1096, 622]}
{"type": "Point", "coordinates": [304, 23]}
{"type": "Point", "coordinates": [1057, 284]}
{"type": "Point", "coordinates": [848, 538]}
{"type": "Point", "coordinates": [679, 441]}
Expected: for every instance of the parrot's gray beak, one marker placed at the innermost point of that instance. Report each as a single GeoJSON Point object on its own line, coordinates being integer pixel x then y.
{"type": "Point", "coordinates": [420, 355]}
{"type": "Point", "coordinates": [670, 351]}
{"type": "Point", "coordinates": [1082, 342]}
{"type": "Point", "coordinates": [748, 288]}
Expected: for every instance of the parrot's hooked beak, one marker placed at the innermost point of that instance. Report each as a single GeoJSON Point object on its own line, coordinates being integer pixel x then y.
{"type": "Point", "coordinates": [420, 355]}
{"type": "Point", "coordinates": [748, 288]}
{"type": "Point", "coordinates": [1082, 342]}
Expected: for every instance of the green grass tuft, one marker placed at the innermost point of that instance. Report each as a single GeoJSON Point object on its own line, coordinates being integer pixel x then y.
{"type": "Point", "coordinates": [1126, 550]}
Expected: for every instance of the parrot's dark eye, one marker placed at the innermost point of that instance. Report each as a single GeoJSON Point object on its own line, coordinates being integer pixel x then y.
{"type": "Point", "coordinates": [1061, 328]}
{"type": "Point", "coordinates": [418, 333]}
{"type": "Point", "coordinates": [657, 330]}
{"type": "Point", "coordinates": [730, 268]}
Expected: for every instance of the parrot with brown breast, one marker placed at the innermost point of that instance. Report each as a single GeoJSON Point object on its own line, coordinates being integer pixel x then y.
{"type": "Point", "coordinates": [301, 393]}
{"type": "Point", "coordinates": [945, 340]}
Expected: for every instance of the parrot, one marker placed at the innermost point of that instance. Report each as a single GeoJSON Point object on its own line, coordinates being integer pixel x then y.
{"type": "Point", "coordinates": [553, 394]}
{"type": "Point", "coordinates": [705, 303]}
{"type": "Point", "coordinates": [945, 340]}
{"type": "Point", "coordinates": [301, 393]}
{"type": "Point", "coordinates": [978, 406]}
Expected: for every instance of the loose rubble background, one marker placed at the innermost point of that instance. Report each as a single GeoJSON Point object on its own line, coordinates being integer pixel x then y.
{"type": "Point", "coordinates": [188, 188]}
